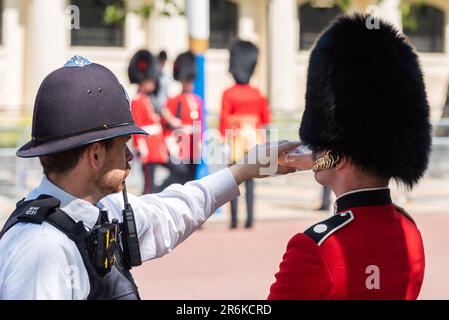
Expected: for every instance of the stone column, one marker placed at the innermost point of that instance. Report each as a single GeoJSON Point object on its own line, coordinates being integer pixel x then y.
{"type": "Point", "coordinates": [135, 30]}
{"type": "Point", "coordinates": [283, 48]}
{"type": "Point", "coordinates": [13, 52]}
{"type": "Point", "coordinates": [167, 33]}
{"type": "Point", "coordinates": [46, 42]}
{"type": "Point", "coordinates": [253, 27]}
{"type": "Point", "coordinates": [247, 20]}
{"type": "Point", "coordinates": [390, 10]}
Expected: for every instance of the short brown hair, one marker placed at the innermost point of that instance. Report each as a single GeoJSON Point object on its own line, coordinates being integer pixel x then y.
{"type": "Point", "coordinates": [60, 163]}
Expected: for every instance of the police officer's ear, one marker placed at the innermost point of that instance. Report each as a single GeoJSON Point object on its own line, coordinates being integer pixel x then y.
{"type": "Point", "coordinates": [96, 155]}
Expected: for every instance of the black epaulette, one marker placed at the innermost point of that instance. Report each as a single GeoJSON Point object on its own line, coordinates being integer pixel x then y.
{"type": "Point", "coordinates": [37, 210]}
{"type": "Point", "coordinates": [322, 230]}
{"type": "Point", "coordinates": [34, 211]}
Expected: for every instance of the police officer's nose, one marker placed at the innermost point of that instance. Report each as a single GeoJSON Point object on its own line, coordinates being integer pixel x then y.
{"type": "Point", "coordinates": [128, 154]}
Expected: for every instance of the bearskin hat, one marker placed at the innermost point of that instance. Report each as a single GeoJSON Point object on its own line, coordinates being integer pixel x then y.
{"type": "Point", "coordinates": [242, 61]}
{"type": "Point", "coordinates": [366, 99]}
{"type": "Point", "coordinates": [142, 67]}
{"type": "Point", "coordinates": [184, 67]}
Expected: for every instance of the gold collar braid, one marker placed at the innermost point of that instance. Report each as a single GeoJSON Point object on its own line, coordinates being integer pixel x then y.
{"type": "Point", "coordinates": [327, 161]}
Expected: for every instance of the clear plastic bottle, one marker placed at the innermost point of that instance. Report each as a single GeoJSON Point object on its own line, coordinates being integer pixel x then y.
{"type": "Point", "coordinates": [299, 158]}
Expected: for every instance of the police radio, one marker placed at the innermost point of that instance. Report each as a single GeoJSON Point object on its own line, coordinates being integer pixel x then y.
{"type": "Point", "coordinates": [130, 240]}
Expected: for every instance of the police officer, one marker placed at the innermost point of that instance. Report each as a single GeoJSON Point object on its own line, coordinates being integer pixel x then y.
{"type": "Point", "coordinates": [244, 110]}
{"type": "Point", "coordinates": [367, 120]}
{"type": "Point", "coordinates": [74, 236]}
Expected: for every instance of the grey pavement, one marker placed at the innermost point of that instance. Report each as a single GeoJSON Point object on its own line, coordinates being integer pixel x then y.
{"type": "Point", "coordinates": [277, 198]}
{"type": "Point", "coordinates": [217, 263]}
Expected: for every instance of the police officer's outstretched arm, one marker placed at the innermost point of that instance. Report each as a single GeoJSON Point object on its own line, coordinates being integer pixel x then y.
{"type": "Point", "coordinates": [165, 219]}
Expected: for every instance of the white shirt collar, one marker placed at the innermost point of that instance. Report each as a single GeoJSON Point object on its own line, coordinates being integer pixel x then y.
{"type": "Point", "coordinates": [77, 209]}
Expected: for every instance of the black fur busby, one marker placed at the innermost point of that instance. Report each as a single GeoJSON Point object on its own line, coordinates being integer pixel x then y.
{"type": "Point", "coordinates": [184, 67]}
{"type": "Point", "coordinates": [242, 61]}
{"type": "Point", "coordinates": [142, 67]}
{"type": "Point", "coordinates": [366, 99]}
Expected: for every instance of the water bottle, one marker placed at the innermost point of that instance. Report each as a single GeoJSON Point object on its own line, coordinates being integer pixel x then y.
{"type": "Point", "coordinates": [299, 158]}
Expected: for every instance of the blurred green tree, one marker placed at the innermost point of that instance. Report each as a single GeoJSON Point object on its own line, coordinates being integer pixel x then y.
{"type": "Point", "coordinates": [116, 11]}
{"type": "Point", "coordinates": [408, 15]}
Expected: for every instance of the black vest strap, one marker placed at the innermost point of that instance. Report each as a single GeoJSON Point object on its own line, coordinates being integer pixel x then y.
{"type": "Point", "coordinates": [34, 211]}
{"type": "Point", "coordinates": [62, 221]}
{"type": "Point", "coordinates": [117, 284]}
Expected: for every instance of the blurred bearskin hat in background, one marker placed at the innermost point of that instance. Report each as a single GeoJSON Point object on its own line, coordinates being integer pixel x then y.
{"type": "Point", "coordinates": [142, 67]}
{"type": "Point", "coordinates": [242, 61]}
{"type": "Point", "coordinates": [184, 67]}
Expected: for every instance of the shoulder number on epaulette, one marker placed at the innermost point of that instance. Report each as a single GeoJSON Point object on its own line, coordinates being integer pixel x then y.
{"type": "Point", "coordinates": [322, 230]}
{"type": "Point", "coordinates": [36, 210]}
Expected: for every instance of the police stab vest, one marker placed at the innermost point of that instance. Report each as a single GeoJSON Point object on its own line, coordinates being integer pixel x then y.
{"type": "Point", "coordinates": [117, 284]}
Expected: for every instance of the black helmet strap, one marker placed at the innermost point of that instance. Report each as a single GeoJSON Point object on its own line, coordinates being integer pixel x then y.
{"type": "Point", "coordinates": [103, 127]}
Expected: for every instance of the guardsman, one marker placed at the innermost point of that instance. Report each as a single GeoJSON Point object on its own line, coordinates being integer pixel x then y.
{"type": "Point", "coordinates": [244, 110]}
{"type": "Point", "coordinates": [75, 236]}
{"type": "Point", "coordinates": [367, 120]}
{"type": "Point", "coordinates": [185, 143]}
{"type": "Point", "coordinates": [151, 149]}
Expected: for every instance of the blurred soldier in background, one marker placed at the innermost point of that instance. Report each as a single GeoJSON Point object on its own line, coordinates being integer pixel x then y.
{"type": "Point", "coordinates": [151, 150]}
{"type": "Point", "coordinates": [164, 80]}
{"type": "Point", "coordinates": [185, 143]}
{"type": "Point", "coordinates": [244, 110]}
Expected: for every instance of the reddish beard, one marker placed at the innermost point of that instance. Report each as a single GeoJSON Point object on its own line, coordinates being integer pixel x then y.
{"type": "Point", "coordinates": [111, 181]}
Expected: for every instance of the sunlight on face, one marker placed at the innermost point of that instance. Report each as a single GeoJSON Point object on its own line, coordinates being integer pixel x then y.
{"type": "Point", "coordinates": [117, 168]}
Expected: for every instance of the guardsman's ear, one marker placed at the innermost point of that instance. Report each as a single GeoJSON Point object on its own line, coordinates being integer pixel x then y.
{"type": "Point", "coordinates": [343, 163]}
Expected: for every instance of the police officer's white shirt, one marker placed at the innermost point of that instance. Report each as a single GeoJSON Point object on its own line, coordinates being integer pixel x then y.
{"type": "Point", "coordinates": [41, 262]}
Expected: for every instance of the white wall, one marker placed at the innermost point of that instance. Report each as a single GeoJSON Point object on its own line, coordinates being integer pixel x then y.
{"type": "Point", "coordinates": [11, 55]}
{"type": "Point", "coordinates": [35, 42]}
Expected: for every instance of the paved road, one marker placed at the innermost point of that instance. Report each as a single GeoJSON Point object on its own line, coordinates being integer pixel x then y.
{"type": "Point", "coordinates": [217, 263]}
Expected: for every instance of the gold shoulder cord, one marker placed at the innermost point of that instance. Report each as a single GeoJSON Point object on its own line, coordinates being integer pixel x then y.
{"type": "Point", "coordinates": [325, 162]}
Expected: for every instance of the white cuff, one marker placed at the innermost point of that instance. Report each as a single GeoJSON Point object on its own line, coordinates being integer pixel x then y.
{"type": "Point", "coordinates": [222, 185]}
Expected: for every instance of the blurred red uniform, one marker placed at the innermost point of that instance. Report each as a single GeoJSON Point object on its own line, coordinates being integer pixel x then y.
{"type": "Point", "coordinates": [152, 148]}
{"type": "Point", "coordinates": [243, 99]}
{"type": "Point", "coordinates": [370, 249]}
{"type": "Point", "coordinates": [188, 108]}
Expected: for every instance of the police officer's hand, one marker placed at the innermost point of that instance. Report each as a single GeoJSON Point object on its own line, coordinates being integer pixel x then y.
{"type": "Point", "coordinates": [261, 161]}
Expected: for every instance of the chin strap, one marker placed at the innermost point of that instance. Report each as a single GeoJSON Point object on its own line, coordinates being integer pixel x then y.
{"type": "Point", "coordinates": [327, 161]}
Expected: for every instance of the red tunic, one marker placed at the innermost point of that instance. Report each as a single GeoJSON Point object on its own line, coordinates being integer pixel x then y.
{"type": "Point", "coordinates": [152, 148]}
{"type": "Point", "coordinates": [369, 250]}
{"type": "Point", "coordinates": [243, 100]}
{"type": "Point", "coordinates": [188, 108]}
